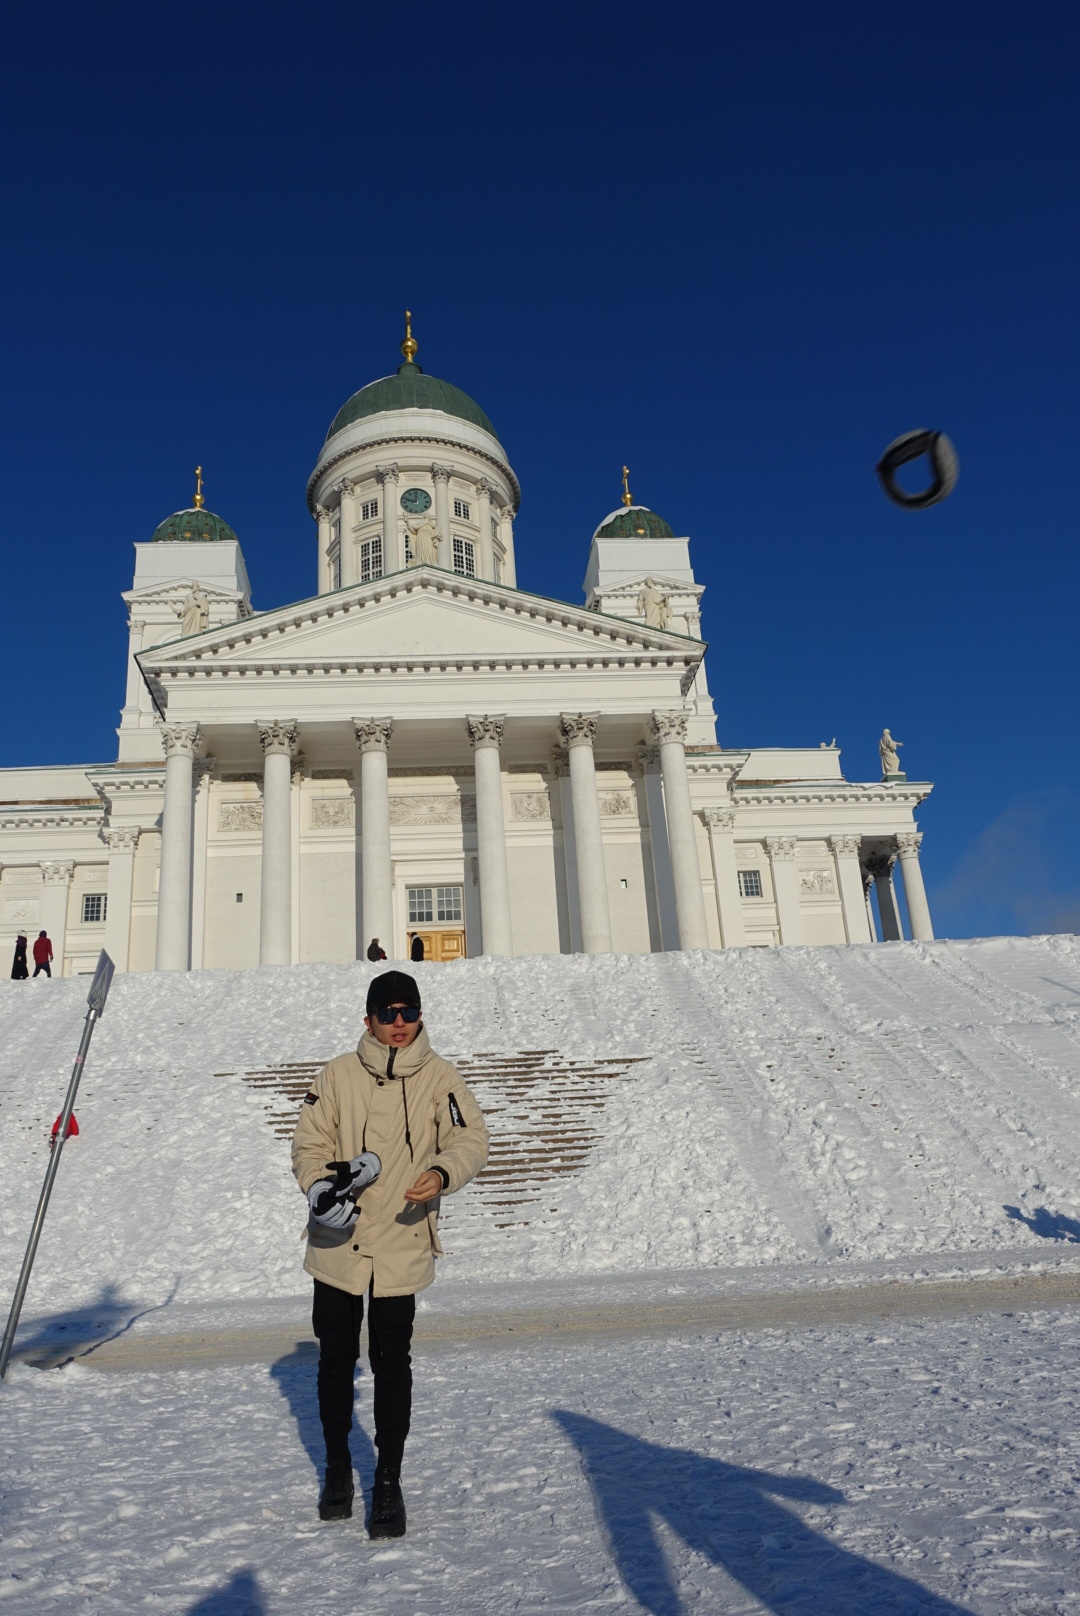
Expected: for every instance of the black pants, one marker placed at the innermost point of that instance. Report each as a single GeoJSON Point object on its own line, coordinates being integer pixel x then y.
{"type": "Point", "coordinates": [336, 1317]}
{"type": "Point", "coordinates": [43, 965]}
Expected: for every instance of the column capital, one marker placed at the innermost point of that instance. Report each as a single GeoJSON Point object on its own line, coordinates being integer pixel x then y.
{"type": "Point", "coordinates": [373, 734]}
{"type": "Point", "coordinates": [845, 846]}
{"type": "Point", "coordinates": [780, 847]}
{"type": "Point", "coordinates": [347, 487]}
{"type": "Point", "coordinates": [441, 474]}
{"type": "Point", "coordinates": [719, 819]}
{"type": "Point", "coordinates": [560, 762]}
{"type": "Point", "coordinates": [279, 736]}
{"type": "Point", "coordinates": [299, 764]}
{"type": "Point", "coordinates": [121, 841]}
{"type": "Point", "coordinates": [386, 474]}
{"type": "Point", "coordinates": [56, 872]}
{"type": "Point", "coordinates": [880, 865]}
{"type": "Point", "coordinates": [322, 514]}
{"type": "Point", "coordinates": [908, 843]}
{"type": "Point", "coordinates": [578, 729]}
{"type": "Point", "coordinates": [668, 727]}
{"type": "Point", "coordinates": [484, 485]}
{"type": "Point", "coordinates": [648, 757]}
{"type": "Point", "coordinates": [180, 739]}
{"type": "Point", "coordinates": [203, 767]}
{"type": "Point", "coordinates": [486, 731]}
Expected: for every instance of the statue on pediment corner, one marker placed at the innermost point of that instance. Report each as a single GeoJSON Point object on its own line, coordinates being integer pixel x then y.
{"type": "Point", "coordinates": [654, 605]}
{"type": "Point", "coordinates": [194, 614]}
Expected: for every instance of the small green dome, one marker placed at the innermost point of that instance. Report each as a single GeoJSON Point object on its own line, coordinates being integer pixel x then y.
{"type": "Point", "coordinates": [637, 522]}
{"type": "Point", "coordinates": [410, 389]}
{"type": "Point", "coordinates": [202, 527]}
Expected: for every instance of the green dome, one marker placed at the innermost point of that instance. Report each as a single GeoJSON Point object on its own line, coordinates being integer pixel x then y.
{"type": "Point", "coordinates": [203, 527]}
{"type": "Point", "coordinates": [637, 522]}
{"type": "Point", "coordinates": [410, 389]}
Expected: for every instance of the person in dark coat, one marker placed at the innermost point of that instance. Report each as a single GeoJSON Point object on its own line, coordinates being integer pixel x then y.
{"type": "Point", "coordinates": [42, 953]}
{"type": "Point", "coordinates": [375, 953]}
{"type": "Point", "coordinates": [19, 968]}
{"type": "Point", "coordinates": [416, 952]}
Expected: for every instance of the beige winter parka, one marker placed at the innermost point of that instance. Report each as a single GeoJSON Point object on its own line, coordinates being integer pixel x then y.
{"type": "Point", "coordinates": [413, 1110]}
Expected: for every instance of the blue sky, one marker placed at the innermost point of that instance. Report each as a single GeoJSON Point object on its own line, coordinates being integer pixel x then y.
{"type": "Point", "coordinates": [739, 247]}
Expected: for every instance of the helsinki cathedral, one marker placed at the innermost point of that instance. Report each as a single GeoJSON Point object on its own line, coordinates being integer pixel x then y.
{"type": "Point", "coordinates": [423, 748]}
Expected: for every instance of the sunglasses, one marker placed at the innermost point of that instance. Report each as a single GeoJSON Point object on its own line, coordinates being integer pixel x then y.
{"type": "Point", "coordinates": [389, 1014]}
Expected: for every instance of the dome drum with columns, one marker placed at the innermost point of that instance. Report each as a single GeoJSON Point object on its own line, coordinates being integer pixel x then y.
{"type": "Point", "coordinates": [423, 748]}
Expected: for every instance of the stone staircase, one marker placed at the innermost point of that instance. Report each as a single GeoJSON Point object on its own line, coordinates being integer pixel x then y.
{"type": "Point", "coordinates": [543, 1109]}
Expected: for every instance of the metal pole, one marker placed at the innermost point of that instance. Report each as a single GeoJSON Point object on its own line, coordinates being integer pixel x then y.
{"type": "Point", "coordinates": [98, 993]}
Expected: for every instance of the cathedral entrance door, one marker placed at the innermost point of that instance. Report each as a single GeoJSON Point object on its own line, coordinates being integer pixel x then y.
{"type": "Point", "coordinates": [443, 945]}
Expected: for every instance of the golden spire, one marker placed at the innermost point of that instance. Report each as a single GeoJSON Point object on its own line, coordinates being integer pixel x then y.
{"type": "Point", "coordinates": [627, 496]}
{"type": "Point", "coordinates": [410, 346]}
{"type": "Point", "coordinates": [199, 501]}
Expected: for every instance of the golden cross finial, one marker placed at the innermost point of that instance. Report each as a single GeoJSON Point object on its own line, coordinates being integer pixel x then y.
{"type": "Point", "coordinates": [627, 496]}
{"type": "Point", "coordinates": [199, 501]}
{"type": "Point", "coordinates": [410, 346]}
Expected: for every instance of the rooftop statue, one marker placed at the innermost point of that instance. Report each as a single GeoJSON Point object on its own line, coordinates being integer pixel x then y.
{"type": "Point", "coordinates": [194, 614]}
{"type": "Point", "coordinates": [654, 605]}
{"type": "Point", "coordinates": [890, 755]}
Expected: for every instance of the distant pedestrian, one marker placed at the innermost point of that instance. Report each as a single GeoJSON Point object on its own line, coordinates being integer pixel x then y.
{"type": "Point", "coordinates": [19, 968]}
{"type": "Point", "coordinates": [42, 953]}
{"type": "Point", "coordinates": [375, 953]}
{"type": "Point", "coordinates": [416, 952]}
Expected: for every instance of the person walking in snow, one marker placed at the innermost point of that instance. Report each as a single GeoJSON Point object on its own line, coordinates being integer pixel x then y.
{"type": "Point", "coordinates": [42, 954]}
{"type": "Point", "coordinates": [375, 952]}
{"type": "Point", "coordinates": [383, 1133]}
{"type": "Point", "coordinates": [19, 968]}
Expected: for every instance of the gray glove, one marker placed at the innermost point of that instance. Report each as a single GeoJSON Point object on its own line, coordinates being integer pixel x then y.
{"type": "Point", "coordinates": [354, 1176]}
{"type": "Point", "coordinates": [330, 1209]}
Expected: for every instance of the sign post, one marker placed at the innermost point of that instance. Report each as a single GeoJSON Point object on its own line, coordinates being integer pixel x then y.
{"type": "Point", "coordinates": [99, 992]}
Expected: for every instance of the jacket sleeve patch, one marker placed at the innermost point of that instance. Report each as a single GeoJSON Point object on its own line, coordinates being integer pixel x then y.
{"type": "Point", "coordinates": [310, 1099]}
{"type": "Point", "coordinates": [455, 1112]}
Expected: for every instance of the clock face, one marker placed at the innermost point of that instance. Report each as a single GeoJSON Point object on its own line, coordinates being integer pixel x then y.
{"type": "Point", "coordinates": [416, 501]}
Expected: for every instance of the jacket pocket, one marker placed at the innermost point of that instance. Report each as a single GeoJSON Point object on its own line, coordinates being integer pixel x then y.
{"type": "Point", "coordinates": [320, 1238]}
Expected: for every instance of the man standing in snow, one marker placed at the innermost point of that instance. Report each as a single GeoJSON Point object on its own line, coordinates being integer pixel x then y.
{"type": "Point", "coordinates": [43, 953]}
{"type": "Point", "coordinates": [383, 1134]}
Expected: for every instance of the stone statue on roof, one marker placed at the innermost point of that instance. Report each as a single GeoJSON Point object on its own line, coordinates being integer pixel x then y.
{"type": "Point", "coordinates": [654, 605]}
{"type": "Point", "coordinates": [194, 614]}
{"type": "Point", "coordinates": [423, 542]}
{"type": "Point", "coordinates": [888, 750]}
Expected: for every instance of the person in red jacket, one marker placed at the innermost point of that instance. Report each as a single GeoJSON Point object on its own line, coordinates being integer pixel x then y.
{"type": "Point", "coordinates": [42, 953]}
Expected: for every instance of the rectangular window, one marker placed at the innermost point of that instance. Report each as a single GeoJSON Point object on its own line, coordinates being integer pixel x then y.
{"type": "Point", "coordinates": [94, 905]}
{"type": "Point", "coordinates": [498, 569]}
{"type": "Point", "coordinates": [421, 908]}
{"type": "Point", "coordinates": [447, 904]}
{"type": "Point", "coordinates": [749, 883]}
{"type": "Point", "coordinates": [335, 571]}
{"type": "Point", "coordinates": [369, 509]}
{"type": "Point", "coordinates": [464, 558]}
{"type": "Point", "coordinates": [370, 560]}
{"type": "Point", "coordinates": [461, 510]}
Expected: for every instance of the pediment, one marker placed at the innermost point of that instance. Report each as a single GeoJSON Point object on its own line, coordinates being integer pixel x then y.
{"type": "Point", "coordinates": [630, 588]}
{"type": "Point", "coordinates": [422, 616]}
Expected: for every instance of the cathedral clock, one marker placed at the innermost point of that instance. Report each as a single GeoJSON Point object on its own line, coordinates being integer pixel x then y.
{"type": "Point", "coordinates": [416, 501]}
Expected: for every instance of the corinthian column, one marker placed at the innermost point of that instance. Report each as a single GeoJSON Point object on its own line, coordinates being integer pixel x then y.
{"type": "Point", "coordinates": [346, 544]}
{"type": "Point", "coordinates": [122, 845]}
{"type": "Point", "coordinates": [487, 547]}
{"type": "Point", "coordinates": [506, 535]}
{"type": "Point", "coordinates": [56, 879]}
{"type": "Point", "coordinates": [174, 878]}
{"type": "Point", "coordinates": [326, 533]}
{"type": "Point", "coordinates": [440, 476]}
{"type": "Point", "coordinates": [560, 765]}
{"type": "Point", "coordinates": [578, 731]}
{"type": "Point", "coordinates": [377, 876]}
{"type": "Point", "coordinates": [720, 823]}
{"type": "Point", "coordinates": [663, 879]}
{"type": "Point", "coordinates": [485, 735]}
{"type": "Point", "coordinates": [908, 843]}
{"type": "Point", "coordinates": [785, 880]}
{"type": "Point", "coordinates": [880, 867]}
{"type": "Point", "coordinates": [393, 555]}
{"type": "Point", "coordinates": [845, 850]}
{"type": "Point", "coordinates": [669, 732]}
{"type": "Point", "coordinates": [279, 742]}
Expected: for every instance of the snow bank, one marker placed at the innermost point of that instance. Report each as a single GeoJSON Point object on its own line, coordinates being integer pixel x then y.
{"type": "Point", "coordinates": [793, 1105]}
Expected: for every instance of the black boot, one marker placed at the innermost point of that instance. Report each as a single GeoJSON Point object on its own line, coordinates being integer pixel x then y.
{"type": "Point", "coordinates": [335, 1500]}
{"type": "Point", "coordinates": [387, 1518]}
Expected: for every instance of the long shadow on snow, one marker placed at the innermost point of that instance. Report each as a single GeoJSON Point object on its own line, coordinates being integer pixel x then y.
{"type": "Point", "coordinates": [240, 1596]}
{"type": "Point", "coordinates": [57, 1338]}
{"type": "Point", "coordinates": [1051, 1225]}
{"type": "Point", "coordinates": [726, 1513]}
{"type": "Point", "coordinates": [295, 1375]}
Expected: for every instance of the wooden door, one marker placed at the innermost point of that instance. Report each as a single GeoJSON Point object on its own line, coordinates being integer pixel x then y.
{"type": "Point", "coordinates": [442, 944]}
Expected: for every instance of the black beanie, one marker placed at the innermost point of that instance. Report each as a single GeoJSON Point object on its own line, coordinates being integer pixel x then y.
{"type": "Point", "coordinates": [392, 987]}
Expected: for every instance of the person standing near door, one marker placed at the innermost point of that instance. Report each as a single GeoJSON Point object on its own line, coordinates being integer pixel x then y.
{"type": "Point", "coordinates": [416, 951]}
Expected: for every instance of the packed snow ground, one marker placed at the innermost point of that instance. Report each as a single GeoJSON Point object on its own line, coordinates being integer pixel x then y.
{"type": "Point", "coordinates": [922, 1467]}
{"type": "Point", "coordinates": [803, 1104]}
{"type": "Point", "coordinates": [801, 1115]}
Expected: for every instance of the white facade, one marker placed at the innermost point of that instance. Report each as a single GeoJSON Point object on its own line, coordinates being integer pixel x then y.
{"type": "Point", "coordinates": [422, 747]}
